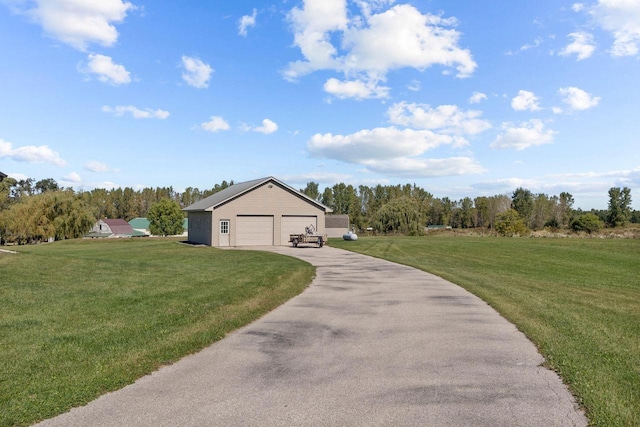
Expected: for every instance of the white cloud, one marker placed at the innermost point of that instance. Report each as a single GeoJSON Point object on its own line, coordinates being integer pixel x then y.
{"type": "Point", "coordinates": [319, 177]}
{"type": "Point", "coordinates": [410, 167]}
{"type": "Point", "coordinates": [536, 43]}
{"type": "Point", "coordinates": [525, 101]}
{"type": "Point", "coordinates": [583, 185]}
{"type": "Point", "coordinates": [135, 112]}
{"type": "Point", "coordinates": [372, 43]}
{"type": "Point", "coordinates": [312, 26]}
{"type": "Point", "coordinates": [369, 6]}
{"type": "Point", "coordinates": [577, 7]}
{"type": "Point", "coordinates": [77, 23]}
{"type": "Point", "coordinates": [506, 184]}
{"type": "Point", "coordinates": [355, 89]}
{"type": "Point", "coordinates": [106, 70]}
{"type": "Point", "coordinates": [375, 144]}
{"type": "Point", "coordinates": [582, 45]}
{"type": "Point", "coordinates": [72, 177]}
{"type": "Point", "coordinates": [247, 21]}
{"type": "Point", "coordinates": [392, 152]}
{"type": "Point", "coordinates": [477, 97]}
{"type": "Point", "coordinates": [95, 166]}
{"type": "Point", "coordinates": [447, 119]}
{"type": "Point", "coordinates": [18, 176]}
{"type": "Point", "coordinates": [215, 124]}
{"type": "Point", "coordinates": [403, 37]}
{"type": "Point", "coordinates": [30, 154]}
{"type": "Point", "coordinates": [414, 85]}
{"type": "Point", "coordinates": [622, 19]}
{"type": "Point", "coordinates": [527, 135]}
{"type": "Point", "coordinates": [102, 184]}
{"type": "Point", "coordinates": [618, 174]}
{"type": "Point", "coordinates": [578, 99]}
{"type": "Point", "coordinates": [268, 127]}
{"type": "Point", "coordinates": [196, 73]}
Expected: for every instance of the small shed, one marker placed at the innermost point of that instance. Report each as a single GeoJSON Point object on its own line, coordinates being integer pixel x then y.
{"type": "Point", "coordinates": [336, 225]}
{"type": "Point", "coordinates": [2, 176]}
{"type": "Point", "coordinates": [262, 212]}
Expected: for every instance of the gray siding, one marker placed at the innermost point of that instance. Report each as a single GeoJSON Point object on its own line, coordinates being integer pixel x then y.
{"type": "Point", "coordinates": [200, 228]}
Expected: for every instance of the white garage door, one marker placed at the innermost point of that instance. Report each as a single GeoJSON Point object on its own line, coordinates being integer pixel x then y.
{"type": "Point", "coordinates": [254, 231]}
{"type": "Point", "coordinates": [296, 225]}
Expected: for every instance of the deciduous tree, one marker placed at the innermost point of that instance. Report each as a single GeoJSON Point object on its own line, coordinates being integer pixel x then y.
{"type": "Point", "coordinates": [48, 184]}
{"type": "Point", "coordinates": [619, 206]}
{"type": "Point", "coordinates": [522, 202]}
{"type": "Point", "coordinates": [165, 218]}
{"type": "Point", "coordinates": [312, 190]}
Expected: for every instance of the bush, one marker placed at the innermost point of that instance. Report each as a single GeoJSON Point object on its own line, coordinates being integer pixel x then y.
{"type": "Point", "coordinates": [510, 223]}
{"type": "Point", "coordinates": [165, 218]}
{"type": "Point", "coordinates": [588, 222]}
{"type": "Point", "coordinates": [552, 224]}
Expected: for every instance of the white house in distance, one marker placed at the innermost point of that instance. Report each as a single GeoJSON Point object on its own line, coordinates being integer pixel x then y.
{"type": "Point", "coordinates": [262, 212]}
{"type": "Point", "coordinates": [112, 228]}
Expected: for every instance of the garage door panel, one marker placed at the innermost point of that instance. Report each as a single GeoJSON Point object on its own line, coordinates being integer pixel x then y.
{"type": "Point", "coordinates": [295, 225]}
{"type": "Point", "coordinates": [254, 231]}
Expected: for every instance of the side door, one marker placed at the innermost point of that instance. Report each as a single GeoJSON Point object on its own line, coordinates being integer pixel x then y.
{"type": "Point", "coordinates": [224, 232]}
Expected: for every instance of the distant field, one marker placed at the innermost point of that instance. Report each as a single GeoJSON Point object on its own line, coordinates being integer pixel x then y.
{"type": "Point", "coordinates": [578, 300]}
{"type": "Point", "coordinates": [80, 318]}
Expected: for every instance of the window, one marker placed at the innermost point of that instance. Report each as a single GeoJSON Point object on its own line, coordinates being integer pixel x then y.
{"type": "Point", "coordinates": [224, 226]}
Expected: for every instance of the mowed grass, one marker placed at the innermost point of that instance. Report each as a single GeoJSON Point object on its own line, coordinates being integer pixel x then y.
{"type": "Point", "coordinates": [578, 300]}
{"type": "Point", "coordinates": [80, 318]}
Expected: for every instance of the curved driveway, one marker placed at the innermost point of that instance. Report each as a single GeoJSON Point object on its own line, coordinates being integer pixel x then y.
{"type": "Point", "coordinates": [369, 343]}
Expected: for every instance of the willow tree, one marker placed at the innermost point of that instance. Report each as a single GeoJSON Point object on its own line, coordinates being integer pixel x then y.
{"type": "Point", "coordinates": [401, 215]}
{"type": "Point", "coordinates": [51, 215]}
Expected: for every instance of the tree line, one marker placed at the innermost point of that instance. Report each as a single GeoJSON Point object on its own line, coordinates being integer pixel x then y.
{"type": "Point", "coordinates": [407, 209]}
{"type": "Point", "coordinates": [33, 211]}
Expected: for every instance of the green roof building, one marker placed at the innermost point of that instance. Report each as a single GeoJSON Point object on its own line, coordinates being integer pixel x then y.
{"type": "Point", "coordinates": [142, 225]}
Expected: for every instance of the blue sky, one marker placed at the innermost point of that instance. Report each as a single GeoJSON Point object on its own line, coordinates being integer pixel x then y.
{"type": "Point", "coordinates": [463, 98]}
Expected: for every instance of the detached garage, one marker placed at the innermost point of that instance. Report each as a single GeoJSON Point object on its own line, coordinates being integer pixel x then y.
{"type": "Point", "coordinates": [262, 212]}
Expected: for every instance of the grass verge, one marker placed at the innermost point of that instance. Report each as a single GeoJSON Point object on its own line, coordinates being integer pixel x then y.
{"type": "Point", "coordinates": [80, 318]}
{"type": "Point", "coordinates": [578, 300]}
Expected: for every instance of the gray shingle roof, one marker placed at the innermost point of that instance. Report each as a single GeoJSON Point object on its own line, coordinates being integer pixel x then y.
{"type": "Point", "coordinates": [236, 190]}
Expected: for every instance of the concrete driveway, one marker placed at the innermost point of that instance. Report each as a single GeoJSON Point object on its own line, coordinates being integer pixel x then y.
{"type": "Point", "coordinates": [369, 343]}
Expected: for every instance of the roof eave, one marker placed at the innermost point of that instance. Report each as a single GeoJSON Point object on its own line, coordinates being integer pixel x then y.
{"type": "Point", "coordinates": [259, 183]}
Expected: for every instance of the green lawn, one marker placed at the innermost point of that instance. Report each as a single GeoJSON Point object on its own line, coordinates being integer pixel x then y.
{"type": "Point", "coordinates": [578, 300]}
{"type": "Point", "coordinates": [80, 318]}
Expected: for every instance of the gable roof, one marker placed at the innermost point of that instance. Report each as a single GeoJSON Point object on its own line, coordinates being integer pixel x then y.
{"type": "Point", "coordinates": [119, 226]}
{"type": "Point", "coordinates": [2, 176]}
{"type": "Point", "coordinates": [237, 190]}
